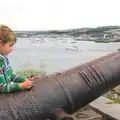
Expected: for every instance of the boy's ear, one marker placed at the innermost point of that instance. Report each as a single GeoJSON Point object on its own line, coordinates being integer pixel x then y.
{"type": "Point", "coordinates": [2, 44]}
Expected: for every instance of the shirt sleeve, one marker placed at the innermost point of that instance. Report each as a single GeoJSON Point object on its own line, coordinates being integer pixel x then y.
{"type": "Point", "coordinates": [17, 79]}
{"type": "Point", "coordinates": [6, 86]}
{"type": "Point", "coordinates": [14, 77]}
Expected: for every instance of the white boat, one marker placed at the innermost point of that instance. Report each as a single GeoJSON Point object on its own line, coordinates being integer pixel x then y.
{"type": "Point", "coordinates": [74, 48]}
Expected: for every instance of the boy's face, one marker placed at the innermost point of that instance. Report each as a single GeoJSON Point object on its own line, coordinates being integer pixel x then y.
{"type": "Point", "coordinates": [5, 49]}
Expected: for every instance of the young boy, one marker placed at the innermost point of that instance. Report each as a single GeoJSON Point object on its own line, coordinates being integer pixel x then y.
{"type": "Point", "coordinates": [10, 82]}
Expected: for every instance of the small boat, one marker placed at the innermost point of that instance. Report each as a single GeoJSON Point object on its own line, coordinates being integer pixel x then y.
{"type": "Point", "coordinates": [74, 48]}
{"type": "Point", "coordinates": [102, 41]}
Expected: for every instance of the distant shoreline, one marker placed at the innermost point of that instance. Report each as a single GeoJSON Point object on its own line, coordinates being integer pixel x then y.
{"type": "Point", "coordinates": [105, 34]}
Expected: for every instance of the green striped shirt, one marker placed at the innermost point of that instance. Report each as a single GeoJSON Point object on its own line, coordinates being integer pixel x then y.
{"type": "Point", "coordinates": [9, 82]}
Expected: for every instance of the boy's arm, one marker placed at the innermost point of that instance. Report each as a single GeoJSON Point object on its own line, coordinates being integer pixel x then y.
{"type": "Point", "coordinates": [4, 85]}
{"type": "Point", "coordinates": [17, 79]}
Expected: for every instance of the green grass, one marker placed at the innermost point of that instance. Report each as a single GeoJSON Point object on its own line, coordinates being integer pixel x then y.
{"type": "Point", "coordinates": [113, 96]}
{"type": "Point", "coordinates": [31, 72]}
{"type": "Point", "coordinates": [114, 100]}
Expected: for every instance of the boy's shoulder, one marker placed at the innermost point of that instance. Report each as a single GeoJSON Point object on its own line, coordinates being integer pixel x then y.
{"type": "Point", "coordinates": [4, 59]}
{"type": "Point", "coordinates": [1, 60]}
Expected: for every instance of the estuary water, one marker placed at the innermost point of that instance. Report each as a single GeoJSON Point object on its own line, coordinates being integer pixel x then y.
{"type": "Point", "coordinates": [56, 54]}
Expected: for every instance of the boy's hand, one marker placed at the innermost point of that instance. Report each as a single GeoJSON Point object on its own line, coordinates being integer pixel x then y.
{"type": "Point", "coordinates": [27, 84]}
{"type": "Point", "coordinates": [34, 78]}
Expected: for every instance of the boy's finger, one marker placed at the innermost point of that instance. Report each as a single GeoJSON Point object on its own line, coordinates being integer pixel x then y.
{"type": "Point", "coordinates": [36, 77]}
{"type": "Point", "coordinates": [33, 78]}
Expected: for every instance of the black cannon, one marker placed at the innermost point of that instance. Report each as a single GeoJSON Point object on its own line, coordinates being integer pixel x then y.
{"type": "Point", "coordinates": [57, 96]}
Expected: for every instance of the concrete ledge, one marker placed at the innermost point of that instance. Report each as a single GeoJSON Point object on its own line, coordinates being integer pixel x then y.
{"type": "Point", "coordinates": [109, 111]}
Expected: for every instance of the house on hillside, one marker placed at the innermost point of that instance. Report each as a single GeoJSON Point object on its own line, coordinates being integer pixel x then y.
{"type": "Point", "coordinates": [100, 36]}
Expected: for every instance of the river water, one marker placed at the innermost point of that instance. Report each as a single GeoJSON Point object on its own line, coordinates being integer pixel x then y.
{"type": "Point", "coordinates": [56, 54]}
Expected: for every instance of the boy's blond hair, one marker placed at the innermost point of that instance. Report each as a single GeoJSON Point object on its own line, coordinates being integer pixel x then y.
{"type": "Point", "coordinates": [7, 35]}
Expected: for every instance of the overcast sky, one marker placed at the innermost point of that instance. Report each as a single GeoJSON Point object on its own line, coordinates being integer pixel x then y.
{"type": "Point", "coordinates": [58, 14]}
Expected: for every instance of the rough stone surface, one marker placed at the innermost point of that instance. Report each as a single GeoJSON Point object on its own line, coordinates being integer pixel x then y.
{"type": "Point", "coordinates": [87, 115]}
{"type": "Point", "coordinates": [109, 111]}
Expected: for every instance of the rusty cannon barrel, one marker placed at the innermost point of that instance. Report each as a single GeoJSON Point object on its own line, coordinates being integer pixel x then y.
{"type": "Point", "coordinates": [58, 95]}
